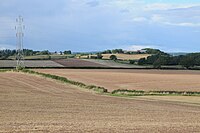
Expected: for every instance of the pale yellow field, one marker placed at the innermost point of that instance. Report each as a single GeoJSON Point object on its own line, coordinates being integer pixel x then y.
{"type": "Point", "coordinates": [35, 104]}
{"type": "Point", "coordinates": [123, 56]}
{"type": "Point", "coordinates": [126, 56]}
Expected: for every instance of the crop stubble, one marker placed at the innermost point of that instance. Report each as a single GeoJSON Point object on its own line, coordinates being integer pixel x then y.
{"type": "Point", "coordinates": [147, 80]}
{"type": "Point", "coordinates": [32, 103]}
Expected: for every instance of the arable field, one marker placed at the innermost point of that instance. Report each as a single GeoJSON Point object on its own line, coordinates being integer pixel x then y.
{"type": "Point", "coordinates": [147, 80]}
{"type": "Point", "coordinates": [78, 63]}
{"type": "Point", "coordinates": [30, 63]}
{"type": "Point", "coordinates": [126, 56]}
{"type": "Point", "coordinates": [34, 104]}
{"type": "Point", "coordinates": [121, 56]}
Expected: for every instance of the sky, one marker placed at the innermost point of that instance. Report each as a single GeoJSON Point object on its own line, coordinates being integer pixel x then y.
{"type": "Point", "coordinates": [96, 25]}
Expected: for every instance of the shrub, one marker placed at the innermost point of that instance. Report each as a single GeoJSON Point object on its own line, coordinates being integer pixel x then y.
{"type": "Point", "coordinates": [113, 57]}
{"type": "Point", "coordinates": [142, 61]}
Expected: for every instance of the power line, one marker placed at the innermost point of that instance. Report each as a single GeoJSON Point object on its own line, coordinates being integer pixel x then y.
{"type": "Point", "coordinates": [19, 49]}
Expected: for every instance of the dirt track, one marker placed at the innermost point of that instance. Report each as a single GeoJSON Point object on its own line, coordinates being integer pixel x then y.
{"type": "Point", "coordinates": [165, 80]}
{"type": "Point", "coordinates": [34, 104]}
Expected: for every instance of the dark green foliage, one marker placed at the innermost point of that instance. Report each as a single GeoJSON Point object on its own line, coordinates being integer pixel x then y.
{"type": "Point", "coordinates": [154, 51]}
{"type": "Point", "coordinates": [117, 51]}
{"type": "Point", "coordinates": [132, 61]}
{"type": "Point", "coordinates": [107, 52]}
{"type": "Point", "coordinates": [158, 93]}
{"type": "Point", "coordinates": [67, 52]}
{"type": "Point", "coordinates": [113, 57]}
{"type": "Point", "coordinates": [187, 61]}
{"type": "Point", "coordinates": [142, 61]}
{"type": "Point", "coordinates": [99, 56]}
{"type": "Point", "coordinates": [4, 54]}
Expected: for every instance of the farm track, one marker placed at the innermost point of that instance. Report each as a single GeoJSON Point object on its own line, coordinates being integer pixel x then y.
{"type": "Point", "coordinates": [35, 104]}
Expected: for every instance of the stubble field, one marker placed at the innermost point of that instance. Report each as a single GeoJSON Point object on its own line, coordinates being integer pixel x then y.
{"type": "Point", "coordinates": [35, 104]}
{"type": "Point", "coordinates": [147, 80]}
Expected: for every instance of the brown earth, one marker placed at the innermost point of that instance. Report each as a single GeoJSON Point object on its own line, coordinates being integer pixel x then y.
{"type": "Point", "coordinates": [78, 63]}
{"type": "Point", "coordinates": [35, 104]}
{"type": "Point", "coordinates": [154, 80]}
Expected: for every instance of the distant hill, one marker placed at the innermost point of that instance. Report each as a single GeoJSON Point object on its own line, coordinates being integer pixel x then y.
{"type": "Point", "coordinates": [178, 53]}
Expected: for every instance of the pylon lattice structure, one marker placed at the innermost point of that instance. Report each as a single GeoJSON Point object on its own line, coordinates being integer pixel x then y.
{"type": "Point", "coordinates": [19, 46]}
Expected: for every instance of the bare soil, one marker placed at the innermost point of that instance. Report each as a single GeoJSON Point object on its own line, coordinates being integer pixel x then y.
{"type": "Point", "coordinates": [78, 63]}
{"type": "Point", "coordinates": [148, 80]}
{"type": "Point", "coordinates": [35, 104]}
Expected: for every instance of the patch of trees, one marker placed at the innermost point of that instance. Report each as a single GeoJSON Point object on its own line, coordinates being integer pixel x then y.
{"type": "Point", "coordinates": [158, 60]}
{"type": "Point", "coordinates": [67, 52]}
{"type": "Point", "coordinates": [4, 54]}
{"type": "Point", "coordinates": [114, 51]}
{"type": "Point", "coordinates": [121, 51]}
{"type": "Point", "coordinates": [153, 51]}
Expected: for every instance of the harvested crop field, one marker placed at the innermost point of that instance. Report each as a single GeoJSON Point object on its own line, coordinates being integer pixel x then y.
{"type": "Point", "coordinates": [30, 63]}
{"type": "Point", "coordinates": [127, 56]}
{"type": "Point", "coordinates": [147, 80]}
{"type": "Point", "coordinates": [35, 104]}
{"type": "Point", "coordinates": [78, 63]}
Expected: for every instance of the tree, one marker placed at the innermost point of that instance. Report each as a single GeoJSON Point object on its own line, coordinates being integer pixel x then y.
{"type": "Point", "coordinates": [45, 52]}
{"type": "Point", "coordinates": [142, 61]}
{"type": "Point", "coordinates": [67, 52]}
{"type": "Point", "coordinates": [117, 51]}
{"type": "Point", "coordinates": [99, 56]}
{"type": "Point", "coordinates": [113, 57]}
{"type": "Point", "coordinates": [187, 61]}
{"type": "Point", "coordinates": [107, 52]}
{"type": "Point", "coordinates": [132, 61]}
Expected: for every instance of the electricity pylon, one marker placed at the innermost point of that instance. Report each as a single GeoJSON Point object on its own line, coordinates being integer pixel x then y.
{"type": "Point", "coordinates": [19, 46]}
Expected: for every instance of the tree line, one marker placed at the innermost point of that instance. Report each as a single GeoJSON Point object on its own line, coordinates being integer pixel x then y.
{"type": "Point", "coordinates": [4, 54]}
{"type": "Point", "coordinates": [160, 59]}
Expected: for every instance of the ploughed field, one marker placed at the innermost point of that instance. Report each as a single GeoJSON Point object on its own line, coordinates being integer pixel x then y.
{"type": "Point", "coordinates": [30, 63]}
{"type": "Point", "coordinates": [35, 104]}
{"type": "Point", "coordinates": [146, 80]}
{"type": "Point", "coordinates": [78, 63]}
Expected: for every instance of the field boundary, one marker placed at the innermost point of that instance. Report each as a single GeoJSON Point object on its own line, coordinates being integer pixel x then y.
{"type": "Point", "coordinates": [153, 93]}
{"type": "Point", "coordinates": [102, 90]}
{"type": "Point", "coordinates": [65, 80]}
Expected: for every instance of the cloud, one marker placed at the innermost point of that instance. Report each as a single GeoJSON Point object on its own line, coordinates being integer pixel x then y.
{"type": "Point", "coordinates": [186, 24]}
{"type": "Point", "coordinates": [6, 46]}
{"type": "Point", "coordinates": [139, 19]}
{"type": "Point", "coordinates": [93, 3]}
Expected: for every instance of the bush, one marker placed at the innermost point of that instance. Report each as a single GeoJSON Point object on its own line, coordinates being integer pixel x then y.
{"type": "Point", "coordinates": [113, 57]}
{"type": "Point", "coordinates": [142, 61]}
{"type": "Point", "coordinates": [132, 61]}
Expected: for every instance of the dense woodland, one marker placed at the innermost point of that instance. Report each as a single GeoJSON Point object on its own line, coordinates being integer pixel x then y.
{"type": "Point", "coordinates": [160, 59]}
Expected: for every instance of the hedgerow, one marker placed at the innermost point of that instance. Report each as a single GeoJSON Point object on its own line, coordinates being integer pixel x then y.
{"type": "Point", "coordinates": [65, 80]}
{"type": "Point", "coordinates": [159, 93]}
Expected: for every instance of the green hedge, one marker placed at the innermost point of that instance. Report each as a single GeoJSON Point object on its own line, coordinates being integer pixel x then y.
{"type": "Point", "coordinates": [159, 93]}
{"type": "Point", "coordinates": [65, 80]}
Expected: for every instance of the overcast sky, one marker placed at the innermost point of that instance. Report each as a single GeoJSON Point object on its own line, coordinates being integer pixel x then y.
{"type": "Point", "coordinates": [95, 25]}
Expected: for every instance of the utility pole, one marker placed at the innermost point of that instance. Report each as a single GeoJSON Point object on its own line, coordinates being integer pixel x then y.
{"type": "Point", "coordinates": [19, 43]}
